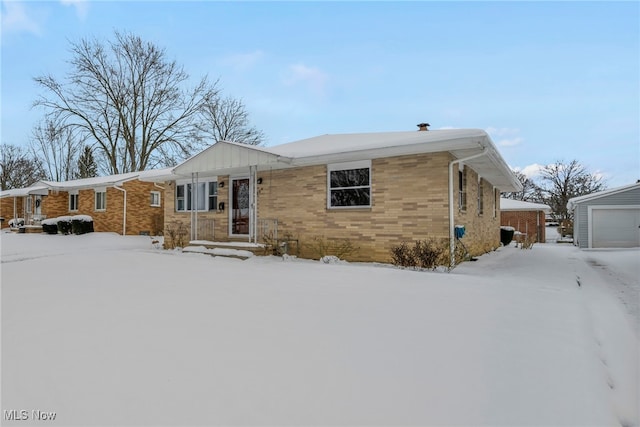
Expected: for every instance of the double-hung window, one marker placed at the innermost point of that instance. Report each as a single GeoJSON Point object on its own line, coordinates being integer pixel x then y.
{"type": "Point", "coordinates": [155, 198]}
{"type": "Point", "coordinates": [205, 197]}
{"type": "Point", "coordinates": [349, 185]}
{"type": "Point", "coordinates": [73, 201]}
{"type": "Point", "coordinates": [101, 199]}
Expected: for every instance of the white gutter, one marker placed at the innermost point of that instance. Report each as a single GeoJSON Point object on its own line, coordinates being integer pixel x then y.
{"type": "Point", "coordinates": [124, 214]}
{"type": "Point", "coordinates": [452, 237]}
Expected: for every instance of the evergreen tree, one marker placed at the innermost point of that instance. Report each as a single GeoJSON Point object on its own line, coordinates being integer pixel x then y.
{"type": "Point", "coordinates": [87, 166]}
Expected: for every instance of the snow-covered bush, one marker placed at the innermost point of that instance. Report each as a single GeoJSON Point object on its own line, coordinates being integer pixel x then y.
{"type": "Point", "coordinates": [64, 224]}
{"type": "Point", "coordinates": [81, 224]}
{"type": "Point", "coordinates": [16, 222]}
{"type": "Point", "coordinates": [50, 225]}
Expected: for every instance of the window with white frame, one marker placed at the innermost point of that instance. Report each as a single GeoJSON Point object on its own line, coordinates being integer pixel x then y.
{"type": "Point", "coordinates": [155, 198]}
{"type": "Point", "coordinates": [349, 185]}
{"type": "Point", "coordinates": [206, 195]}
{"type": "Point", "coordinates": [101, 200]}
{"type": "Point", "coordinates": [73, 201]}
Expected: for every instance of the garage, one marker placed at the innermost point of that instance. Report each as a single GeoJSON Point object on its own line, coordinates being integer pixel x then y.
{"type": "Point", "coordinates": [615, 228]}
{"type": "Point", "coordinates": [607, 219]}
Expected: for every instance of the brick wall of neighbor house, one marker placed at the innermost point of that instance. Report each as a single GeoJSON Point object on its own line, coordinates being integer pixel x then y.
{"type": "Point", "coordinates": [141, 216]}
{"type": "Point", "coordinates": [6, 209]}
{"type": "Point", "coordinates": [405, 207]}
{"type": "Point", "coordinates": [56, 204]}
{"type": "Point", "coordinates": [526, 222]}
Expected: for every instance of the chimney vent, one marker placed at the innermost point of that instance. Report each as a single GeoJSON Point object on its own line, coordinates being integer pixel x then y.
{"type": "Point", "coordinates": [423, 126]}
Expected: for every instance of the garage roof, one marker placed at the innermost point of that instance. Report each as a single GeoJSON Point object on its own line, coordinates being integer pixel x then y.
{"type": "Point", "coordinates": [581, 199]}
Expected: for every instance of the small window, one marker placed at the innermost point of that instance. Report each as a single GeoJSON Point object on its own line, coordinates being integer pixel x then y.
{"type": "Point", "coordinates": [180, 198]}
{"type": "Point", "coordinates": [155, 198]}
{"type": "Point", "coordinates": [73, 202]}
{"type": "Point", "coordinates": [462, 188]}
{"type": "Point", "coordinates": [101, 200]}
{"type": "Point", "coordinates": [213, 196]}
{"type": "Point", "coordinates": [480, 197]}
{"type": "Point", "coordinates": [349, 185]}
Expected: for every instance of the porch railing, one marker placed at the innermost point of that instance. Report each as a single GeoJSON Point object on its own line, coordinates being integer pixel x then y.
{"type": "Point", "coordinates": [206, 229]}
{"type": "Point", "coordinates": [267, 229]}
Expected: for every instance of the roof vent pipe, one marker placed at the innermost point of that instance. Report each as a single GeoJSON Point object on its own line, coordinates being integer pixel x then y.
{"type": "Point", "coordinates": [423, 126]}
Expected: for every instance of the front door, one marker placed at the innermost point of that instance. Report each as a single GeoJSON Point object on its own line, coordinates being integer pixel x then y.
{"type": "Point", "coordinates": [240, 206]}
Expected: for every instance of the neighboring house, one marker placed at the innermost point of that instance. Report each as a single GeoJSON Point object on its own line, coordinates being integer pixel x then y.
{"type": "Point", "coordinates": [526, 217]}
{"type": "Point", "coordinates": [26, 203]}
{"type": "Point", "coordinates": [375, 189]}
{"type": "Point", "coordinates": [117, 203]}
{"type": "Point", "coordinates": [607, 219]}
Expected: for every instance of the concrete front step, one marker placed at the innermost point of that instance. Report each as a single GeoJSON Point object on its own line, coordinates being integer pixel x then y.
{"type": "Point", "coordinates": [239, 250]}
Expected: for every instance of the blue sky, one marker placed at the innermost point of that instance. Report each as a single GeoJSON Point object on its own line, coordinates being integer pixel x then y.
{"type": "Point", "coordinates": [548, 80]}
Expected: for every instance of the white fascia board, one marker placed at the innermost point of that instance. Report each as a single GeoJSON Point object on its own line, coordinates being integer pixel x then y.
{"type": "Point", "coordinates": [393, 151]}
{"type": "Point", "coordinates": [581, 199]}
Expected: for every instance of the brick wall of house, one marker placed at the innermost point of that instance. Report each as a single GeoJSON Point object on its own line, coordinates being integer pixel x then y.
{"type": "Point", "coordinates": [56, 204]}
{"type": "Point", "coordinates": [482, 230]}
{"type": "Point", "coordinates": [405, 207]}
{"type": "Point", "coordinates": [530, 222]}
{"type": "Point", "coordinates": [6, 209]}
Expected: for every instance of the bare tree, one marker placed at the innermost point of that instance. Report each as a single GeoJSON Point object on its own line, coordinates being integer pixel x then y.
{"type": "Point", "coordinates": [227, 119]}
{"type": "Point", "coordinates": [17, 169]}
{"type": "Point", "coordinates": [562, 181]}
{"type": "Point", "coordinates": [528, 193]}
{"type": "Point", "coordinates": [57, 147]}
{"type": "Point", "coordinates": [128, 97]}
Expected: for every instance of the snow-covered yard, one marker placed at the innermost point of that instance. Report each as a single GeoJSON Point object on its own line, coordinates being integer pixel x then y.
{"type": "Point", "coordinates": [108, 330]}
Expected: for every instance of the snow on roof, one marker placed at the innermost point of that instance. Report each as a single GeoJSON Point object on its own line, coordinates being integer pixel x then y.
{"type": "Point", "coordinates": [99, 181]}
{"type": "Point", "coordinates": [576, 200]}
{"type": "Point", "coordinates": [103, 181]}
{"type": "Point", "coordinates": [21, 192]}
{"type": "Point", "coordinates": [225, 157]}
{"type": "Point", "coordinates": [330, 144]}
{"type": "Point", "coordinates": [519, 205]}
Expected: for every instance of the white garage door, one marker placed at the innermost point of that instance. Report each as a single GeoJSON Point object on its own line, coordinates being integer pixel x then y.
{"type": "Point", "coordinates": [615, 228]}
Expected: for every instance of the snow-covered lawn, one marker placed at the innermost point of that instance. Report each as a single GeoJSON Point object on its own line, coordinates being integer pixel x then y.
{"type": "Point", "coordinates": [108, 330]}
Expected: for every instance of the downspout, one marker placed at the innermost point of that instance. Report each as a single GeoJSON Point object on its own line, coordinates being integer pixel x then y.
{"type": "Point", "coordinates": [124, 211]}
{"type": "Point", "coordinates": [452, 236]}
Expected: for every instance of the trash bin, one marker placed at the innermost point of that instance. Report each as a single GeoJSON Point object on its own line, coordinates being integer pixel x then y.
{"type": "Point", "coordinates": [506, 235]}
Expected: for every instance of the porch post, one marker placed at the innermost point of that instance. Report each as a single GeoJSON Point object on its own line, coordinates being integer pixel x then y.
{"type": "Point", "coordinates": [253, 214]}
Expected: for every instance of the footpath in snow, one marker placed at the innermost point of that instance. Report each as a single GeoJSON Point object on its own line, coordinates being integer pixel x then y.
{"type": "Point", "coordinates": [108, 330]}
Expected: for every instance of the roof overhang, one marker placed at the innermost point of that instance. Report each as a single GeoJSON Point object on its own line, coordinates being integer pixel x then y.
{"type": "Point", "coordinates": [40, 190]}
{"type": "Point", "coordinates": [226, 158]}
